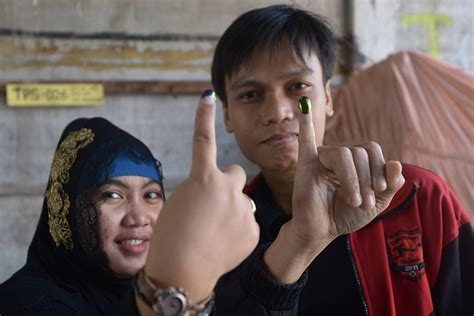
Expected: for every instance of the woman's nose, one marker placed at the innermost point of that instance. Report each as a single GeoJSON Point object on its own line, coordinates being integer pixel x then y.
{"type": "Point", "coordinates": [138, 214]}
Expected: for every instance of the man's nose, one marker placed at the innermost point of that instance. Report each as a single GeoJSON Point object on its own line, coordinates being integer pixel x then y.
{"type": "Point", "coordinates": [277, 108]}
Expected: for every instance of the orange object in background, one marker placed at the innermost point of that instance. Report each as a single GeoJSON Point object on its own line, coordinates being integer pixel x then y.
{"type": "Point", "coordinates": [420, 110]}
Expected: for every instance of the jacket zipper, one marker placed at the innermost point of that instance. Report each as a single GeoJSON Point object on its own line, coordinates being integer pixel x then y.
{"type": "Point", "coordinates": [354, 269]}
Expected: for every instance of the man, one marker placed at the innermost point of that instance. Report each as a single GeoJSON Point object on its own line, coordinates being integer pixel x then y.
{"type": "Point", "coordinates": [356, 237]}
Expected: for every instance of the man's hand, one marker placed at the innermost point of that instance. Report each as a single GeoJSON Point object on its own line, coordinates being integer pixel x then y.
{"type": "Point", "coordinates": [207, 226]}
{"type": "Point", "coordinates": [337, 190]}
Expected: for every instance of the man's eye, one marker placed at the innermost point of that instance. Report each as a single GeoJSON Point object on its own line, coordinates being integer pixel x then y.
{"type": "Point", "coordinates": [248, 95]}
{"type": "Point", "coordinates": [299, 86]}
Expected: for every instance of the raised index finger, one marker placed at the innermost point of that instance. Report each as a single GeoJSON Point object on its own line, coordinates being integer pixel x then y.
{"type": "Point", "coordinates": [204, 139]}
{"type": "Point", "coordinates": [307, 148]}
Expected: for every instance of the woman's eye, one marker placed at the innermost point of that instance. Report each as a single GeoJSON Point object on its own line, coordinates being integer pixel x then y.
{"type": "Point", "coordinates": [153, 195]}
{"type": "Point", "coordinates": [112, 195]}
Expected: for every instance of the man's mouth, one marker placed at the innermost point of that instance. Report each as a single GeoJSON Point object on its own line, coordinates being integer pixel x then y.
{"type": "Point", "coordinates": [281, 138]}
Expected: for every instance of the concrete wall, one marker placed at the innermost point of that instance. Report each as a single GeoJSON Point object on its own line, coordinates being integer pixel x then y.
{"type": "Point", "coordinates": [442, 28]}
{"type": "Point", "coordinates": [181, 37]}
{"type": "Point", "coordinates": [138, 40]}
{"type": "Point", "coordinates": [28, 139]}
{"type": "Point", "coordinates": [175, 42]}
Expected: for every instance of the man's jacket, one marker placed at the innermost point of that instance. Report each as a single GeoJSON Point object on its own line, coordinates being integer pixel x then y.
{"type": "Point", "coordinates": [416, 258]}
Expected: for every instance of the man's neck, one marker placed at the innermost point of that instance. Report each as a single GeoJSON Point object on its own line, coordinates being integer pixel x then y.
{"type": "Point", "coordinates": [281, 185]}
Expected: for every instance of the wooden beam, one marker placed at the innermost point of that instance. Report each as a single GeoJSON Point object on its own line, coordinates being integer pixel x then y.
{"type": "Point", "coordinates": [140, 87]}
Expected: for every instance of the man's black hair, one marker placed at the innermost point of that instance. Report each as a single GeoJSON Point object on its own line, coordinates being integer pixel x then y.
{"type": "Point", "coordinates": [270, 25]}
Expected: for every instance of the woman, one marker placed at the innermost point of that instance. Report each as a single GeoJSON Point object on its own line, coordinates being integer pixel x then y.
{"type": "Point", "coordinates": [103, 197]}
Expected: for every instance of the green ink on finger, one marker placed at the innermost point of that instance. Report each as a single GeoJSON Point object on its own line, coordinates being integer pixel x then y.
{"type": "Point", "coordinates": [304, 104]}
{"type": "Point", "coordinates": [209, 93]}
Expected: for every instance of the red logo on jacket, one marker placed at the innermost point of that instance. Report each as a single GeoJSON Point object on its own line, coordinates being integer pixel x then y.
{"type": "Point", "coordinates": [405, 251]}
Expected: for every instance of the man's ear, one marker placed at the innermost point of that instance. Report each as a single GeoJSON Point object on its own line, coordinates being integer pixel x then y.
{"type": "Point", "coordinates": [328, 103]}
{"type": "Point", "coordinates": [227, 123]}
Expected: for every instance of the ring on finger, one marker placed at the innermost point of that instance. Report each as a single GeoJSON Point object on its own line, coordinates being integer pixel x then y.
{"type": "Point", "coordinates": [254, 207]}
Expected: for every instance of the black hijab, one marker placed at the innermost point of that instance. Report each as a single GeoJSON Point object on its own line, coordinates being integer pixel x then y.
{"type": "Point", "coordinates": [67, 271]}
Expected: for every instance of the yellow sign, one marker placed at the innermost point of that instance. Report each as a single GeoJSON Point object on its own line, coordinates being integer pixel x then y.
{"type": "Point", "coordinates": [431, 22]}
{"type": "Point", "coordinates": [54, 94]}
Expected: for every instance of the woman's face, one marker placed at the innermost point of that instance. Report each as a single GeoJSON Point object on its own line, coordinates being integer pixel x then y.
{"type": "Point", "coordinates": [129, 208]}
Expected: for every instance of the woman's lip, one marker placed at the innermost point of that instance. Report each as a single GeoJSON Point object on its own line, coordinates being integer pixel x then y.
{"type": "Point", "coordinates": [133, 246]}
{"type": "Point", "coordinates": [131, 235]}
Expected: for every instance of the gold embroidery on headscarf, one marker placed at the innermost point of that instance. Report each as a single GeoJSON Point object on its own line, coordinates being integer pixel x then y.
{"type": "Point", "coordinates": [58, 200]}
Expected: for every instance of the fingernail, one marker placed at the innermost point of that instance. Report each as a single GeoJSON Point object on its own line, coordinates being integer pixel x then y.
{"type": "Point", "coordinates": [209, 93]}
{"type": "Point", "coordinates": [304, 104]}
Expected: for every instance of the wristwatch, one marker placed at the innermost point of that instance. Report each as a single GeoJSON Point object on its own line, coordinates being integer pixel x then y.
{"type": "Point", "coordinates": [171, 301]}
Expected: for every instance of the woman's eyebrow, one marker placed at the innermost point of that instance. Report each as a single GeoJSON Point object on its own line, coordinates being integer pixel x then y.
{"type": "Point", "coordinates": [149, 182]}
{"type": "Point", "coordinates": [116, 182]}
{"type": "Point", "coordinates": [124, 184]}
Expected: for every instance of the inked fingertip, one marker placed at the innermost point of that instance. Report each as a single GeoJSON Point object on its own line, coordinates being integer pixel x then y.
{"type": "Point", "coordinates": [209, 93]}
{"type": "Point", "coordinates": [304, 104]}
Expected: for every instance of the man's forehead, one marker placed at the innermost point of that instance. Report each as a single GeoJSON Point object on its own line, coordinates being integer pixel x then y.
{"type": "Point", "coordinates": [284, 68]}
{"type": "Point", "coordinates": [247, 78]}
{"type": "Point", "coordinates": [272, 50]}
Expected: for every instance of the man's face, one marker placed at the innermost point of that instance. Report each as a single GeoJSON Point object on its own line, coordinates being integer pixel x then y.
{"type": "Point", "coordinates": [129, 208]}
{"type": "Point", "coordinates": [262, 105]}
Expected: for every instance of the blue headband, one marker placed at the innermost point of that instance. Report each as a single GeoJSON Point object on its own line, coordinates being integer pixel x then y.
{"type": "Point", "coordinates": [124, 166]}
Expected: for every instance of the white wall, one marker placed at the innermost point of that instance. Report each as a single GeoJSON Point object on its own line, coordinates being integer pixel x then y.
{"type": "Point", "coordinates": [28, 136]}
{"type": "Point", "coordinates": [164, 122]}
{"type": "Point", "coordinates": [385, 26]}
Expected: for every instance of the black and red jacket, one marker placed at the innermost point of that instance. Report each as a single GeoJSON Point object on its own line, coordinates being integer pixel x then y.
{"type": "Point", "coordinates": [416, 258]}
